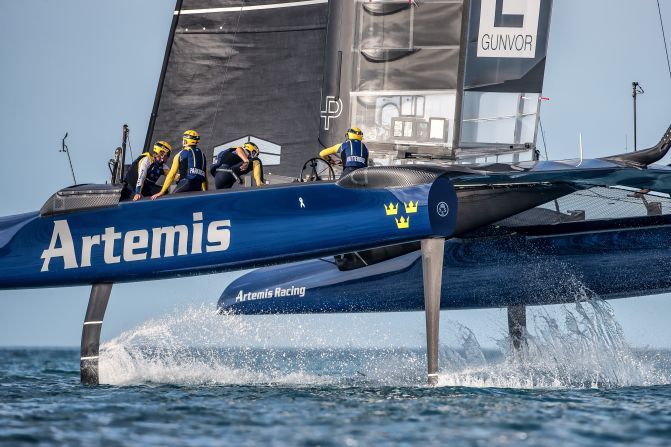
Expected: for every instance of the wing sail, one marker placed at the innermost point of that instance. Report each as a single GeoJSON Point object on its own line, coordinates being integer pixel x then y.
{"type": "Point", "coordinates": [452, 79]}
{"type": "Point", "coordinates": [241, 71]}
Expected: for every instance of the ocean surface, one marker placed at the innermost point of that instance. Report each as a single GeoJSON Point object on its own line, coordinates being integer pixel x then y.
{"type": "Point", "coordinates": [172, 381]}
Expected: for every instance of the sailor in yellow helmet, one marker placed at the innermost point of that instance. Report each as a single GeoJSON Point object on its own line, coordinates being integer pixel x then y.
{"type": "Point", "coordinates": [144, 172]}
{"type": "Point", "coordinates": [190, 164]}
{"type": "Point", "coordinates": [232, 163]}
{"type": "Point", "coordinates": [353, 153]}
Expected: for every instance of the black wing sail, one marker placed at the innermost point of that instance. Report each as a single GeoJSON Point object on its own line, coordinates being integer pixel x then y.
{"type": "Point", "coordinates": [456, 79]}
{"type": "Point", "coordinates": [246, 70]}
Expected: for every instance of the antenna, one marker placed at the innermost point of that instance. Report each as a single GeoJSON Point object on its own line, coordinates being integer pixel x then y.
{"type": "Point", "coordinates": [64, 148]}
{"type": "Point", "coordinates": [580, 142]}
{"type": "Point", "coordinates": [636, 90]}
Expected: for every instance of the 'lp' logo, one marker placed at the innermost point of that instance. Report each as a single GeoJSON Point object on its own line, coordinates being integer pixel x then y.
{"type": "Point", "coordinates": [332, 110]}
{"type": "Point", "coordinates": [508, 28]}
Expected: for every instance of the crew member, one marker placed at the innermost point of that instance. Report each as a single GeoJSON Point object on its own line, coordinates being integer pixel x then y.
{"type": "Point", "coordinates": [353, 153]}
{"type": "Point", "coordinates": [234, 162]}
{"type": "Point", "coordinates": [145, 171]}
{"type": "Point", "coordinates": [191, 166]}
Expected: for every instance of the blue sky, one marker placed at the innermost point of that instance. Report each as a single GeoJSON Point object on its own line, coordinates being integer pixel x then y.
{"type": "Point", "coordinates": [88, 66]}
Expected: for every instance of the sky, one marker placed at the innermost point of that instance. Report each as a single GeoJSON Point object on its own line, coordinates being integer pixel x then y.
{"type": "Point", "coordinates": [87, 67]}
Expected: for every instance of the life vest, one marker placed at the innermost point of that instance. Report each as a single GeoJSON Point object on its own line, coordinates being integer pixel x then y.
{"type": "Point", "coordinates": [192, 164]}
{"type": "Point", "coordinates": [228, 157]}
{"type": "Point", "coordinates": [354, 154]}
{"type": "Point", "coordinates": [154, 172]}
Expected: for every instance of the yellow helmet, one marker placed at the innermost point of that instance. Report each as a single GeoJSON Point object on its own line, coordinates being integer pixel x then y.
{"type": "Point", "coordinates": [191, 138]}
{"type": "Point", "coordinates": [162, 148]}
{"type": "Point", "coordinates": [354, 134]}
{"type": "Point", "coordinates": [252, 148]}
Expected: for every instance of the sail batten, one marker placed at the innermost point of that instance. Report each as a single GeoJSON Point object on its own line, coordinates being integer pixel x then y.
{"type": "Point", "coordinates": [251, 8]}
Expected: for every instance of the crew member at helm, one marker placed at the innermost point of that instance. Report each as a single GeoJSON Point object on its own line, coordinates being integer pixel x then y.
{"type": "Point", "coordinates": [190, 164]}
{"type": "Point", "coordinates": [145, 171]}
{"type": "Point", "coordinates": [234, 162]}
{"type": "Point", "coordinates": [353, 153]}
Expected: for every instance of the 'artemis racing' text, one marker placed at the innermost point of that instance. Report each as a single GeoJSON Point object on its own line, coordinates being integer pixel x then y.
{"type": "Point", "coordinates": [278, 292]}
{"type": "Point", "coordinates": [137, 245]}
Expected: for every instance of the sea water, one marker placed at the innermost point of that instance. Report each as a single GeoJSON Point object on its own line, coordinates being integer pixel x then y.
{"type": "Point", "coordinates": [193, 378]}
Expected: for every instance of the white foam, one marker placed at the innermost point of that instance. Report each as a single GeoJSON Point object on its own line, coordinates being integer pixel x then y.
{"type": "Point", "coordinates": [580, 346]}
{"type": "Point", "coordinates": [575, 346]}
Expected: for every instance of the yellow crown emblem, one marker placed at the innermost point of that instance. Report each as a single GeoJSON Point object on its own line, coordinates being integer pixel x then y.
{"type": "Point", "coordinates": [403, 222]}
{"type": "Point", "coordinates": [392, 209]}
{"type": "Point", "coordinates": [411, 207]}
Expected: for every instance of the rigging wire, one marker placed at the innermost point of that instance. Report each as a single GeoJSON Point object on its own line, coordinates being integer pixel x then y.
{"type": "Point", "coordinates": [130, 147]}
{"type": "Point", "coordinates": [225, 77]}
{"type": "Point", "coordinates": [545, 146]}
{"type": "Point", "coordinates": [661, 22]}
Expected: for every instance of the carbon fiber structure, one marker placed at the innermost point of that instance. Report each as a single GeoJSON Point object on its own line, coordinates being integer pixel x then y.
{"type": "Point", "coordinates": [390, 177]}
{"type": "Point", "coordinates": [80, 197]}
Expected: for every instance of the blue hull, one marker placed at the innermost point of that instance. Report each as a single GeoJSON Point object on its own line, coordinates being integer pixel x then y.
{"type": "Point", "coordinates": [555, 265]}
{"type": "Point", "coordinates": [201, 233]}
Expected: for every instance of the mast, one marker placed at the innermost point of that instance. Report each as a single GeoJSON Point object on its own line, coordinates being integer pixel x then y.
{"type": "Point", "coordinates": [463, 47]}
{"type": "Point", "coordinates": [164, 69]}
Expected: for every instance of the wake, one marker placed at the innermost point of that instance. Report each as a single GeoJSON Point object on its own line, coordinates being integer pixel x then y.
{"type": "Point", "coordinates": [580, 345]}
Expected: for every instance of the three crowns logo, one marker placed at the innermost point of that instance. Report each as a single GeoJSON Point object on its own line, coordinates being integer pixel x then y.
{"type": "Point", "coordinates": [392, 210]}
{"type": "Point", "coordinates": [403, 222]}
{"type": "Point", "coordinates": [411, 207]}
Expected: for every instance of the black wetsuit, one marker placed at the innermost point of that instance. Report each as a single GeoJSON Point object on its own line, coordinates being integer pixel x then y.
{"type": "Point", "coordinates": [226, 170]}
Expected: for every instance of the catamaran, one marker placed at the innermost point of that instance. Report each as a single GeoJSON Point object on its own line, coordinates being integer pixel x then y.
{"type": "Point", "coordinates": [448, 95]}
